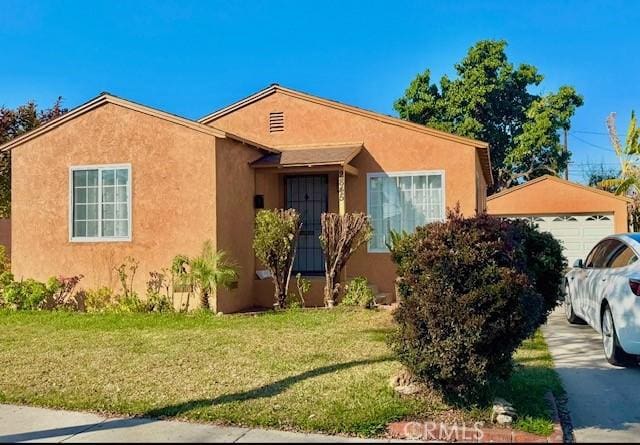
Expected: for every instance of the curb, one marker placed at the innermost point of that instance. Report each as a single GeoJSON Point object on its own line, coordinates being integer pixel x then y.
{"type": "Point", "coordinates": [476, 433]}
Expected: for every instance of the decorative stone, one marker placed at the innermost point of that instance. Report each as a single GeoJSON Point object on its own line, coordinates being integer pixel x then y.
{"type": "Point", "coordinates": [405, 383]}
{"type": "Point", "coordinates": [503, 412]}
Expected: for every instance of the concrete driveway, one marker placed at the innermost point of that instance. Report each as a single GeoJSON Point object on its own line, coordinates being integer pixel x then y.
{"type": "Point", "coordinates": [604, 400]}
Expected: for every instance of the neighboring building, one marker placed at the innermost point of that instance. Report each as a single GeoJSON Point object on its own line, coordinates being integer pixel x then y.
{"type": "Point", "coordinates": [577, 215]}
{"type": "Point", "coordinates": [112, 179]}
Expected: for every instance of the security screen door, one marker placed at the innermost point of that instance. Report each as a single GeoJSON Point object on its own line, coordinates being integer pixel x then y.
{"type": "Point", "coordinates": [309, 196]}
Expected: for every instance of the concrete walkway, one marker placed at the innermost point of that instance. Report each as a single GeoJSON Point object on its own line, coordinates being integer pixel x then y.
{"type": "Point", "coordinates": [604, 400]}
{"type": "Point", "coordinates": [27, 424]}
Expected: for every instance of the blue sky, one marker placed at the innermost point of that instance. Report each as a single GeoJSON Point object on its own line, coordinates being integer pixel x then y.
{"type": "Point", "coordinates": [192, 57]}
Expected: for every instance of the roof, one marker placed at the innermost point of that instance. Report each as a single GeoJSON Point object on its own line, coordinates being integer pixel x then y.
{"type": "Point", "coordinates": [533, 182]}
{"type": "Point", "coordinates": [331, 155]}
{"type": "Point", "coordinates": [105, 98]}
{"type": "Point", "coordinates": [482, 147]}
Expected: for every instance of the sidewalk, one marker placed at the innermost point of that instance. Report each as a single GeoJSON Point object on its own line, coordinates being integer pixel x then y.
{"type": "Point", "coordinates": [27, 424]}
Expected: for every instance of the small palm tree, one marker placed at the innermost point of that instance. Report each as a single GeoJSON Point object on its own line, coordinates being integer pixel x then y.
{"type": "Point", "coordinates": [628, 156]}
{"type": "Point", "coordinates": [205, 273]}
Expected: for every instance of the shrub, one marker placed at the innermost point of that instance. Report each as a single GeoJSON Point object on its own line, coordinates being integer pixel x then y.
{"type": "Point", "coordinates": [358, 293]}
{"type": "Point", "coordinates": [341, 236]}
{"type": "Point", "coordinates": [275, 239]}
{"type": "Point", "coordinates": [99, 300]}
{"type": "Point", "coordinates": [27, 294]}
{"type": "Point", "coordinates": [471, 293]}
{"type": "Point", "coordinates": [62, 292]}
{"type": "Point", "coordinates": [5, 264]}
{"type": "Point", "coordinates": [303, 286]}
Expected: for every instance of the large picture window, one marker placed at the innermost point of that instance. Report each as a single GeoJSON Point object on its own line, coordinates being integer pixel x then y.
{"type": "Point", "coordinates": [403, 201]}
{"type": "Point", "coordinates": [100, 203]}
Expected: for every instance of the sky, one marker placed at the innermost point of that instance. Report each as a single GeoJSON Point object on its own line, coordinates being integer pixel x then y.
{"type": "Point", "coordinates": [193, 57]}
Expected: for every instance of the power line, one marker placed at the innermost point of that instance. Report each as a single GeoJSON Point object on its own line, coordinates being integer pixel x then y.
{"type": "Point", "coordinates": [584, 141]}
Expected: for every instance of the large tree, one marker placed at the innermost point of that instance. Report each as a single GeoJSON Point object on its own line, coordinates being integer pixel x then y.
{"type": "Point", "coordinates": [13, 123]}
{"type": "Point", "coordinates": [490, 100]}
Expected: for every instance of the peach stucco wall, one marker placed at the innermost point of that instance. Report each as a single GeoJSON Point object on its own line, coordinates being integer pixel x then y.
{"type": "Point", "coordinates": [235, 181]}
{"type": "Point", "coordinates": [173, 195]}
{"type": "Point", "coordinates": [388, 148]}
{"type": "Point", "coordinates": [551, 197]}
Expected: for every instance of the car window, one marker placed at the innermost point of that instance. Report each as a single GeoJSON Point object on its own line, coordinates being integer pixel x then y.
{"type": "Point", "coordinates": [622, 256]}
{"type": "Point", "coordinates": [601, 253]}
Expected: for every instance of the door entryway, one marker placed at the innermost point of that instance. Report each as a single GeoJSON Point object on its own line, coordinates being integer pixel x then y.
{"type": "Point", "coordinates": [308, 194]}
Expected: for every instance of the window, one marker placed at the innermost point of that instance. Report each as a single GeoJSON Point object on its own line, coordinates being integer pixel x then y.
{"type": "Point", "coordinates": [598, 218]}
{"type": "Point", "coordinates": [403, 201]}
{"type": "Point", "coordinates": [100, 203]}
{"type": "Point", "coordinates": [565, 218]}
{"type": "Point", "coordinates": [623, 256]}
{"type": "Point", "coordinates": [601, 253]}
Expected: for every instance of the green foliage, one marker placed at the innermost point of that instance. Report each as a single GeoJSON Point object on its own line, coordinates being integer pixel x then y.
{"type": "Point", "coordinates": [274, 242]}
{"type": "Point", "coordinates": [5, 264]}
{"type": "Point", "coordinates": [472, 291]}
{"type": "Point", "coordinates": [358, 293]}
{"type": "Point", "coordinates": [101, 299]}
{"type": "Point", "coordinates": [205, 273]}
{"type": "Point", "coordinates": [490, 101]}
{"type": "Point", "coordinates": [159, 293]}
{"type": "Point", "coordinates": [27, 294]}
{"type": "Point", "coordinates": [596, 174]}
{"type": "Point", "coordinates": [303, 286]}
{"type": "Point", "coordinates": [14, 123]}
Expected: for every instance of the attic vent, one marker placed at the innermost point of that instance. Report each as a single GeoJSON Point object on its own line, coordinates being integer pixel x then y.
{"type": "Point", "coordinates": [276, 121]}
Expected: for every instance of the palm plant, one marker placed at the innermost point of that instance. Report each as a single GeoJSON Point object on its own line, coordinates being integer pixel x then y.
{"type": "Point", "coordinates": [628, 182]}
{"type": "Point", "coordinates": [628, 156]}
{"type": "Point", "coordinates": [205, 273]}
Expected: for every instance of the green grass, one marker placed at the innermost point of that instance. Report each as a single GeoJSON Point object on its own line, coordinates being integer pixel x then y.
{"type": "Point", "coordinates": [318, 370]}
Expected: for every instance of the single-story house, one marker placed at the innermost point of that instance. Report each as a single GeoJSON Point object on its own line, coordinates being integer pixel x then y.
{"type": "Point", "coordinates": [577, 215]}
{"type": "Point", "coordinates": [113, 178]}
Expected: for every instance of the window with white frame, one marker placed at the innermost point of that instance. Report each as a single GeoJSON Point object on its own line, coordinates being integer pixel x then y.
{"type": "Point", "coordinates": [100, 203]}
{"type": "Point", "coordinates": [402, 201]}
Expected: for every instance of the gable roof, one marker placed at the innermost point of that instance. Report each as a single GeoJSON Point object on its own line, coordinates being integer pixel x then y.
{"type": "Point", "coordinates": [483, 147]}
{"type": "Point", "coordinates": [533, 182]}
{"type": "Point", "coordinates": [105, 98]}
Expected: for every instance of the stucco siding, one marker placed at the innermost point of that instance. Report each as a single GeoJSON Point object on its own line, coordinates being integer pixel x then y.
{"type": "Point", "coordinates": [173, 195]}
{"type": "Point", "coordinates": [552, 196]}
{"type": "Point", "coordinates": [235, 219]}
{"type": "Point", "coordinates": [387, 148]}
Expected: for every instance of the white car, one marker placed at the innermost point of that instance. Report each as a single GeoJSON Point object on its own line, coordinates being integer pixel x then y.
{"type": "Point", "coordinates": [604, 291]}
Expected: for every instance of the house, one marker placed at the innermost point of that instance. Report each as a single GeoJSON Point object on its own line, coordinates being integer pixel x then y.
{"type": "Point", "coordinates": [113, 178]}
{"type": "Point", "coordinates": [577, 215]}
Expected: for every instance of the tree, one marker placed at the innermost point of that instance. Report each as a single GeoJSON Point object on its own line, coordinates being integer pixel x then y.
{"type": "Point", "coordinates": [206, 272]}
{"type": "Point", "coordinates": [14, 123]}
{"type": "Point", "coordinates": [274, 241]}
{"type": "Point", "coordinates": [628, 181]}
{"type": "Point", "coordinates": [341, 236]}
{"type": "Point", "coordinates": [595, 174]}
{"type": "Point", "coordinates": [490, 101]}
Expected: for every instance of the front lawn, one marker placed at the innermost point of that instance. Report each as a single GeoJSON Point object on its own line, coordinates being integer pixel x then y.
{"type": "Point", "coordinates": [313, 370]}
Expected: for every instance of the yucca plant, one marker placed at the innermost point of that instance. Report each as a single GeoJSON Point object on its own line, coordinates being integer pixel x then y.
{"type": "Point", "coordinates": [204, 273]}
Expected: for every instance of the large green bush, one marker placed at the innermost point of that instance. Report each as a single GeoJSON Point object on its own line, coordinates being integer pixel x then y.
{"type": "Point", "coordinates": [358, 293]}
{"type": "Point", "coordinates": [472, 290]}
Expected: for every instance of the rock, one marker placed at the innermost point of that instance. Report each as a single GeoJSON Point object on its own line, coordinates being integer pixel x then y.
{"type": "Point", "coordinates": [405, 383]}
{"type": "Point", "coordinates": [503, 412]}
{"type": "Point", "coordinates": [503, 419]}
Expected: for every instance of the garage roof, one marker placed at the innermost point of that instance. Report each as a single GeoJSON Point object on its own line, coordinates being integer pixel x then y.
{"type": "Point", "coordinates": [533, 182]}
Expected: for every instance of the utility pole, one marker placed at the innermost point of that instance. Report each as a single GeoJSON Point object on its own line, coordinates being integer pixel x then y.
{"type": "Point", "coordinates": [566, 150]}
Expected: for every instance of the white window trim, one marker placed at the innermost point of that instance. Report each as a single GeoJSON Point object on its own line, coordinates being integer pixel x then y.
{"type": "Point", "coordinates": [100, 238]}
{"type": "Point", "coordinates": [401, 173]}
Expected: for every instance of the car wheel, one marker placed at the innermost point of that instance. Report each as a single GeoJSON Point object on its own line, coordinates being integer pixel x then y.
{"type": "Point", "coordinates": [612, 350]}
{"type": "Point", "coordinates": [568, 308]}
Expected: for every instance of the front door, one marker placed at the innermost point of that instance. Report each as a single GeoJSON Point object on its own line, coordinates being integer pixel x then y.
{"type": "Point", "coordinates": [308, 195]}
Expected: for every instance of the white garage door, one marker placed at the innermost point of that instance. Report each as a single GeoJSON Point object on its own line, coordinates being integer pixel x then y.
{"type": "Point", "coordinates": [578, 233]}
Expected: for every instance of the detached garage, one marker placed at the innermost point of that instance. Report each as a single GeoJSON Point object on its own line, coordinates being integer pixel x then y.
{"type": "Point", "coordinates": [575, 214]}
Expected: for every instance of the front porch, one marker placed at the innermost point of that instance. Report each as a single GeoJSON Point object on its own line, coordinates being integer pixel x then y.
{"type": "Point", "coordinates": [312, 180]}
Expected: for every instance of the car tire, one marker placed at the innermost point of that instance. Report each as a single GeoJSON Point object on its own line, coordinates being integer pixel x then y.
{"type": "Point", "coordinates": [614, 354]}
{"type": "Point", "coordinates": [572, 318]}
